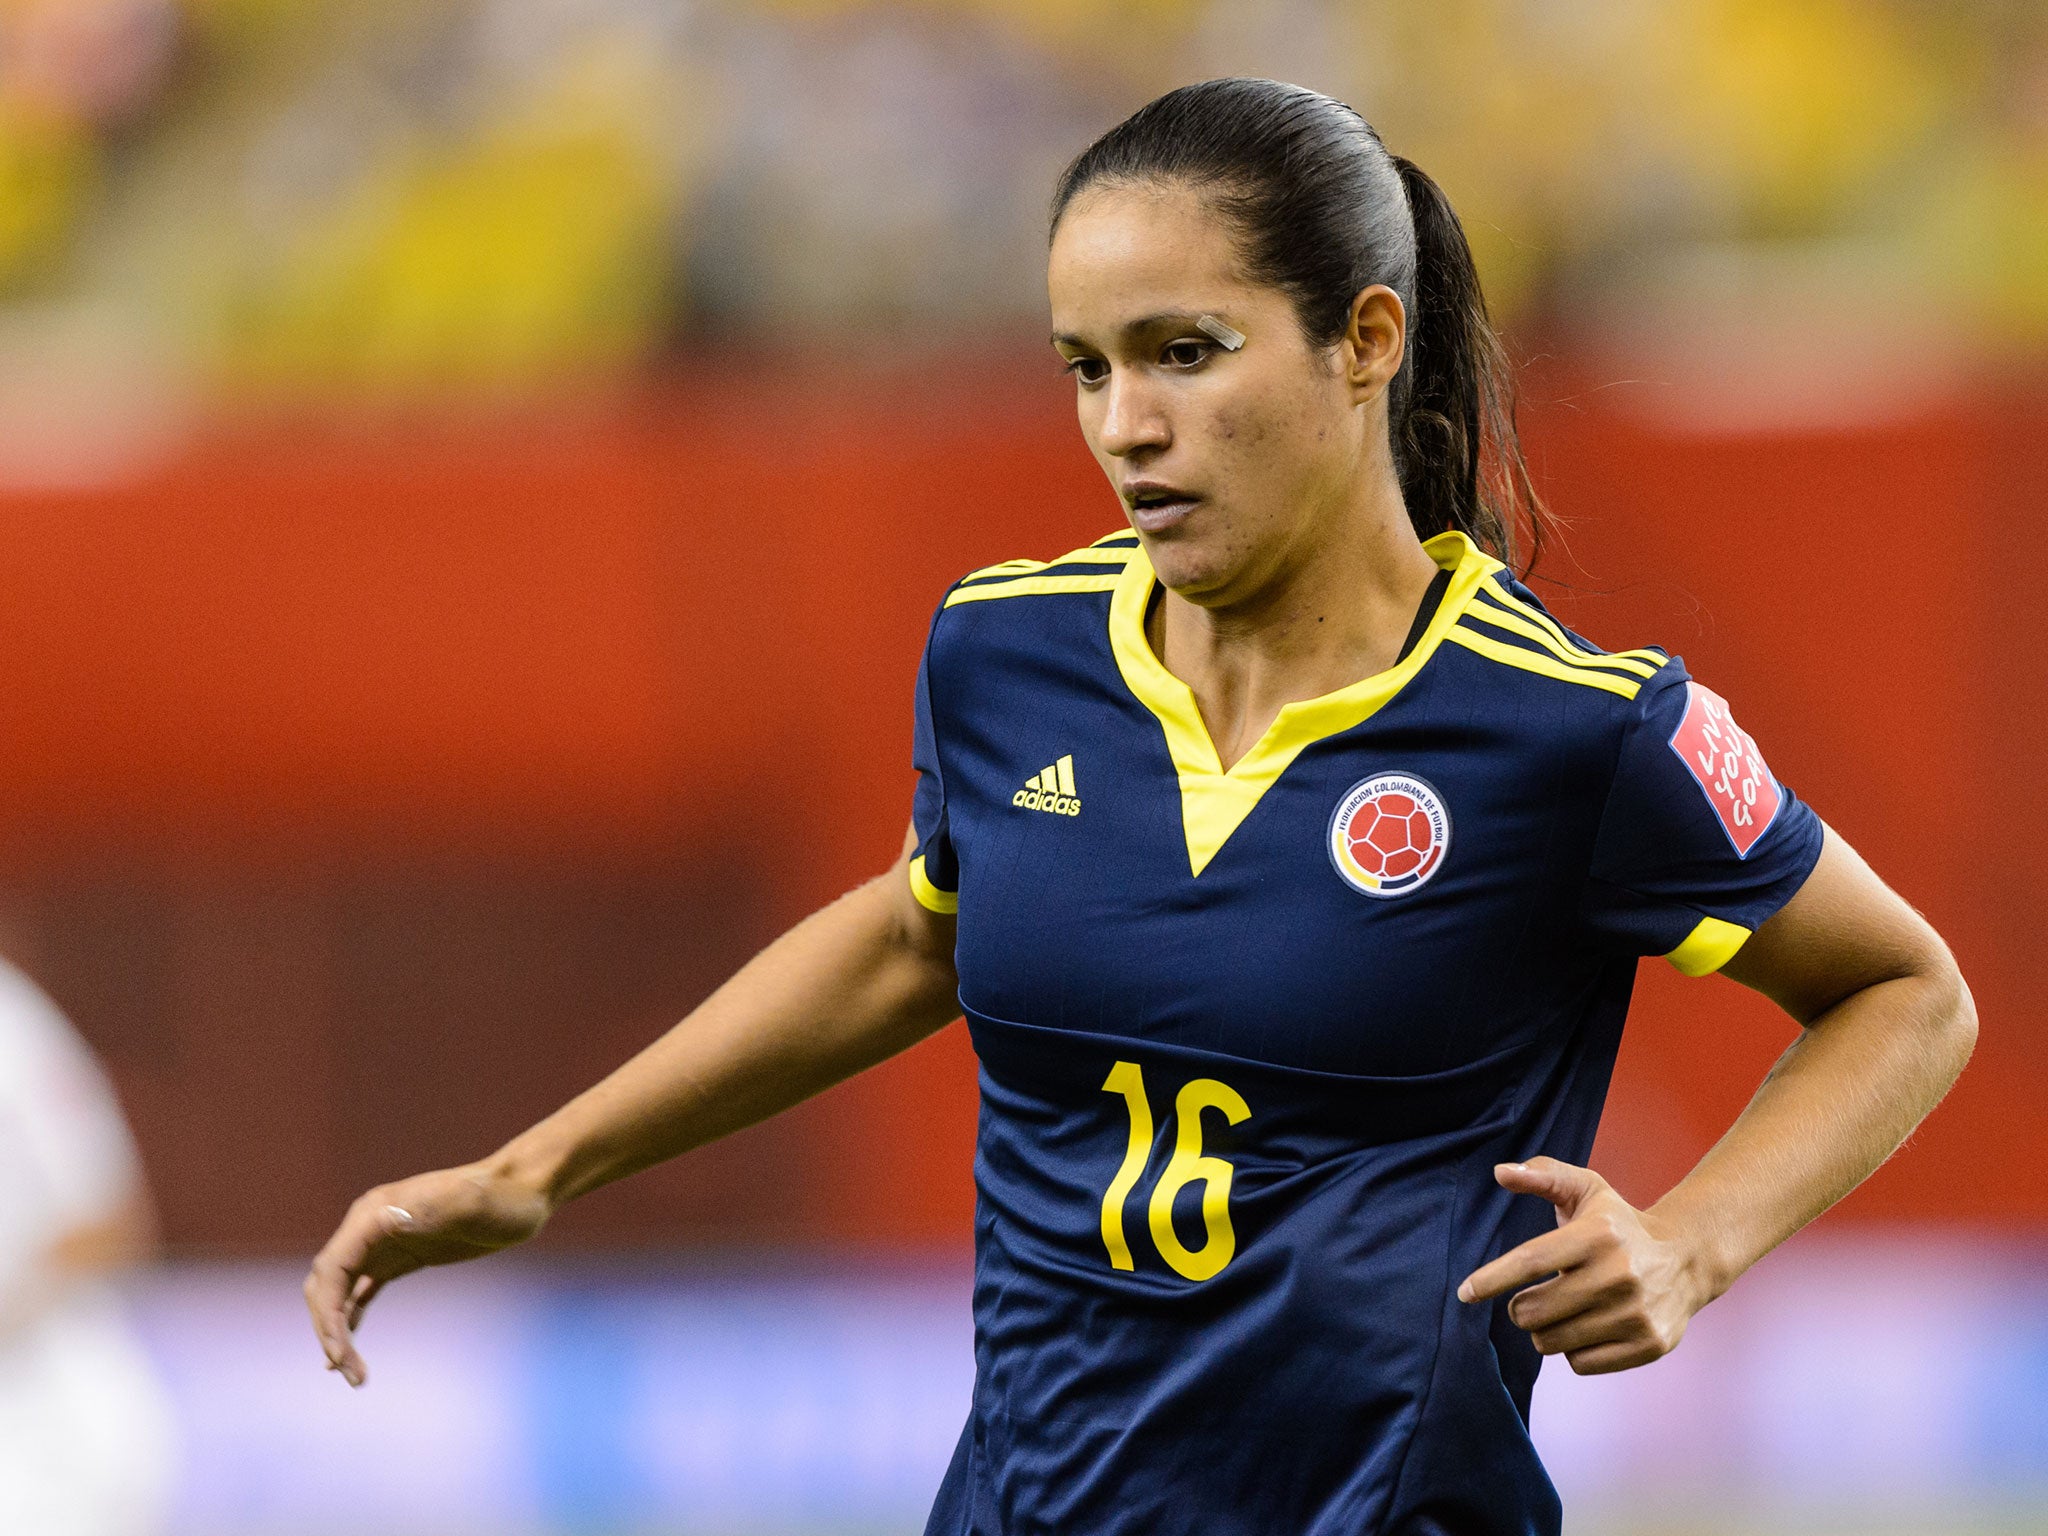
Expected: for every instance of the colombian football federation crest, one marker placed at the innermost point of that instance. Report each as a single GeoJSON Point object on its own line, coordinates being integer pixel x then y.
{"type": "Point", "coordinates": [1389, 834]}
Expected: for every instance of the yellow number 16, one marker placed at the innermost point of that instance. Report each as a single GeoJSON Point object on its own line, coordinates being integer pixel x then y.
{"type": "Point", "coordinates": [1185, 1167]}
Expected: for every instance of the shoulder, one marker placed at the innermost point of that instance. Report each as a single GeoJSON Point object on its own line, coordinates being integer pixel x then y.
{"type": "Point", "coordinates": [1031, 605]}
{"type": "Point", "coordinates": [1506, 625]}
{"type": "Point", "coordinates": [1093, 568]}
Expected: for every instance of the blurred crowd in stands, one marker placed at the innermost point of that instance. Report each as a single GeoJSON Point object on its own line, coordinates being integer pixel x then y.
{"type": "Point", "coordinates": [206, 200]}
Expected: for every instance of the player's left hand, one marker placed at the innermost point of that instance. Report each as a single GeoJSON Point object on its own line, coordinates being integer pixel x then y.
{"type": "Point", "coordinates": [1621, 1290]}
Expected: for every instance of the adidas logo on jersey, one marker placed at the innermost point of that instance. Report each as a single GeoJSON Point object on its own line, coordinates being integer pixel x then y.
{"type": "Point", "coordinates": [1051, 789]}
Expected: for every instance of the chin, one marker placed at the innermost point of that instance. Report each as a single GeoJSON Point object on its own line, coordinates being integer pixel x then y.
{"type": "Point", "coordinates": [1202, 554]}
{"type": "Point", "coordinates": [1192, 567]}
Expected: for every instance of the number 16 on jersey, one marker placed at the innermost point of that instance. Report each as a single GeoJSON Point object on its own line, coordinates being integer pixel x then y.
{"type": "Point", "coordinates": [1188, 1165]}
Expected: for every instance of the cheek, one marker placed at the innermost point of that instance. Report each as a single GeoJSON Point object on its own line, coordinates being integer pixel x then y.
{"type": "Point", "coordinates": [1243, 431]}
{"type": "Point", "coordinates": [1263, 445]}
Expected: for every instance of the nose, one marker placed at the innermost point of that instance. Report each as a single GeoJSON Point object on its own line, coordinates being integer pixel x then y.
{"type": "Point", "coordinates": [1133, 415]}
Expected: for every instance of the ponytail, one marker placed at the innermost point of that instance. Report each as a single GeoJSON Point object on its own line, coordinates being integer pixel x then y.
{"type": "Point", "coordinates": [1324, 212]}
{"type": "Point", "coordinates": [1453, 423]}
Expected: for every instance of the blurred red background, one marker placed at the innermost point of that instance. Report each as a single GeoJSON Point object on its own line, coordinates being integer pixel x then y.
{"type": "Point", "coordinates": [375, 787]}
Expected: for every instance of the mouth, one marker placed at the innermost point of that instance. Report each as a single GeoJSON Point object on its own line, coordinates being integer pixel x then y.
{"type": "Point", "coordinates": [1155, 508]}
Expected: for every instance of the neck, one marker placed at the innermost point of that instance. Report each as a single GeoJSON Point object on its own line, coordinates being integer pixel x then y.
{"type": "Point", "coordinates": [1332, 608]}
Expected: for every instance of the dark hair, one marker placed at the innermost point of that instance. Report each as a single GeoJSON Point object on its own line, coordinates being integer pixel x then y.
{"type": "Point", "coordinates": [1323, 211]}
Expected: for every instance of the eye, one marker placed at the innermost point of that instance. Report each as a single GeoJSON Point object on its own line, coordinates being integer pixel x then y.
{"type": "Point", "coordinates": [1186, 353]}
{"type": "Point", "coordinates": [1089, 370]}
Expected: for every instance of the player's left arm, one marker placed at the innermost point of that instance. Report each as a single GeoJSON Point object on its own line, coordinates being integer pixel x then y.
{"type": "Point", "coordinates": [1887, 1025]}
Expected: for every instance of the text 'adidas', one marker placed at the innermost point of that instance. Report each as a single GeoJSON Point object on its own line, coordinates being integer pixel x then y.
{"type": "Point", "coordinates": [1051, 789]}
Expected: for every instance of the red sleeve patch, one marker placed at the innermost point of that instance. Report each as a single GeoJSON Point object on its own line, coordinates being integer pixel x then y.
{"type": "Point", "coordinates": [1722, 757]}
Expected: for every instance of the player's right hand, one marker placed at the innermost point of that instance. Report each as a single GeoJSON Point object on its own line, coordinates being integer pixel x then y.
{"type": "Point", "coordinates": [394, 1229]}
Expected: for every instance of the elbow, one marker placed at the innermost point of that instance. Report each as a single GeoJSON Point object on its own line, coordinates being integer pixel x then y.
{"type": "Point", "coordinates": [1963, 1017]}
{"type": "Point", "coordinates": [1952, 1012]}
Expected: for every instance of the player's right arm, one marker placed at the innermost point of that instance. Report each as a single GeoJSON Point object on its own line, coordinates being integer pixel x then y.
{"type": "Point", "coordinates": [851, 985]}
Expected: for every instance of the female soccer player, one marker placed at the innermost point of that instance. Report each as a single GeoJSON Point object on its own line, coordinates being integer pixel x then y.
{"type": "Point", "coordinates": [1291, 865]}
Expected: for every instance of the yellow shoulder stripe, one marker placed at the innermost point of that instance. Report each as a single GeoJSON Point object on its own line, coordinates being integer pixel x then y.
{"type": "Point", "coordinates": [1006, 568]}
{"type": "Point", "coordinates": [1026, 578]}
{"type": "Point", "coordinates": [1499, 592]}
{"type": "Point", "coordinates": [1095, 554]}
{"type": "Point", "coordinates": [1711, 945]}
{"type": "Point", "coordinates": [1032, 586]}
{"type": "Point", "coordinates": [929, 896]}
{"type": "Point", "coordinates": [1544, 666]}
{"type": "Point", "coordinates": [1563, 650]}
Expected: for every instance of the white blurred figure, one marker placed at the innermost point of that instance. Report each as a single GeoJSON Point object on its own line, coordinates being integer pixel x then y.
{"type": "Point", "coordinates": [86, 1438]}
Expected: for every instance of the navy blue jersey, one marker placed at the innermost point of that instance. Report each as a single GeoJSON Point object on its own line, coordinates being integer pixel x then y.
{"type": "Point", "coordinates": [1252, 1041]}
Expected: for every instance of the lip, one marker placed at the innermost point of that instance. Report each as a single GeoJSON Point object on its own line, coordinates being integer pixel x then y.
{"type": "Point", "coordinates": [1159, 515]}
{"type": "Point", "coordinates": [1162, 515]}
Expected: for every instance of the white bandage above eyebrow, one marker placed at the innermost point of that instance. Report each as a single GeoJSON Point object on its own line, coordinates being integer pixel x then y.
{"type": "Point", "coordinates": [1230, 340]}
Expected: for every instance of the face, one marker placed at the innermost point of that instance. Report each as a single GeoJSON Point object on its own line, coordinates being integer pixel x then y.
{"type": "Point", "coordinates": [1230, 464]}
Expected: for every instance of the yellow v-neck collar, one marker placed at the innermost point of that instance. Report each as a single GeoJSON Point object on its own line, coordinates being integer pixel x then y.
{"type": "Point", "coordinates": [1214, 802]}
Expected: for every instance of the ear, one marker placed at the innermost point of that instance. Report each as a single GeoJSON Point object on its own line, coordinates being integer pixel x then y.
{"type": "Point", "coordinates": [1375, 339]}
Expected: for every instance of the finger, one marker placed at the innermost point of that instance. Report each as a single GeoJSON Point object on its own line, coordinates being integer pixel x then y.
{"type": "Point", "coordinates": [337, 1345]}
{"type": "Point", "coordinates": [367, 1287]}
{"type": "Point", "coordinates": [377, 1241]}
{"type": "Point", "coordinates": [1590, 1329]}
{"type": "Point", "coordinates": [326, 1288]}
{"type": "Point", "coordinates": [1564, 1185]}
{"type": "Point", "coordinates": [1588, 1286]}
{"type": "Point", "coordinates": [331, 1325]}
{"type": "Point", "coordinates": [1602, 1359]}
{"type": "Point", "coordinates": [354, 1369]}
{"type": "Point", "coordinates": [337, 1264]}
{"type": "Point", "coordinates": [361, 1245]}
{"type": "Point", "coordinates": [1534, 1260]}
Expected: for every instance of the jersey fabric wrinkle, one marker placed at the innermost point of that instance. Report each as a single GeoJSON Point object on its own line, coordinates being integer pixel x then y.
{"type": "Point", "coordinates": [1249, 1049]}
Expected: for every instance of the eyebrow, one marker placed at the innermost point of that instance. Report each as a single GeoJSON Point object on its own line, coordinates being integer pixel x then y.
{"type": "Point", "coordinates": [1165, 319]}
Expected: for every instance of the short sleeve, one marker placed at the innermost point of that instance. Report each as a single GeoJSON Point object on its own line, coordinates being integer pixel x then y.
{"type": "Point", "coordinates": [934, 869]}
{"type": "Point", "coordinates": [1698, 843]}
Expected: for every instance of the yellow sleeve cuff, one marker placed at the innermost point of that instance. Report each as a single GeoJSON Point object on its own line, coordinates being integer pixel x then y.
{"type": "Point", "coordinates": [931, 898]}
{"type": "Point", "coordinates": [1711, 945]}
